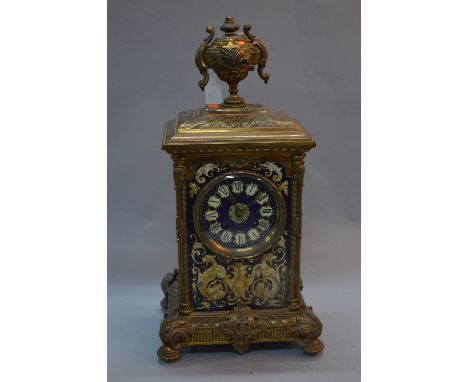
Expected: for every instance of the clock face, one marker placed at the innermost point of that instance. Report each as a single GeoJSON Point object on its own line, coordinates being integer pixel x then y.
{"type": "Point", "coordinates": [239, 214]}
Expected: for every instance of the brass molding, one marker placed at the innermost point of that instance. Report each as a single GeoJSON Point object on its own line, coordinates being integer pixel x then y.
{"type": "Point", "coordinates": [240, 328]}
{"type": "Point", "coordinates": [250, 130]}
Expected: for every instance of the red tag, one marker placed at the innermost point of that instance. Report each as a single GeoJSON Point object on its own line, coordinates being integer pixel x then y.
{"type": "Point", "coordinates": [213, 105]}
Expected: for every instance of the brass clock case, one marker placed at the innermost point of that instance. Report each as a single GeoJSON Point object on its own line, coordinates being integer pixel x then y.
{"type": "Point", "coordinates": [256, 249]}
{"type": "Point", "coordinates": [239, 135]}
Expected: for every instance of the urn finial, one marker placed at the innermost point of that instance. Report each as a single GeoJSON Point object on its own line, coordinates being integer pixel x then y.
{"type": "Point", "coordinates": [231, 56]}
{"type": "Point", "coordinates": [229, 26]}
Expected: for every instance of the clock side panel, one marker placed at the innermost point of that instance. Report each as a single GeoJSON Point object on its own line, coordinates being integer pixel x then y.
{"type": "Point", "coordinates": [219, 282]}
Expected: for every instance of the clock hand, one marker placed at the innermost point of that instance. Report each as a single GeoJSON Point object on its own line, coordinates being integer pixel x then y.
{"type": "Point", "coordinates": [253, 200]}
{"type": "Point", "coordinates": [231, 197]}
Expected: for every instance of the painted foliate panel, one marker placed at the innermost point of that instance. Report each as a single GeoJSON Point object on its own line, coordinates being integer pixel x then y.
{"type": "Point", "coordinates": [221, 282]}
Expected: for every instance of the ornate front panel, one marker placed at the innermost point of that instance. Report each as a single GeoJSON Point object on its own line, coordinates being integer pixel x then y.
{"type": "Point", "coordinates": [258, 271]}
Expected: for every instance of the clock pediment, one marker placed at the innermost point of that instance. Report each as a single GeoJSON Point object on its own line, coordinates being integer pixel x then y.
{"type": "Point", "coordinates": [230, 129]}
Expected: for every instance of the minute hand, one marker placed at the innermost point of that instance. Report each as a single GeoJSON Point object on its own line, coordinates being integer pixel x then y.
{"type": "Point", "coordinates": [254, 199]}
{"type": "Point", "coordinates": [231, 197]}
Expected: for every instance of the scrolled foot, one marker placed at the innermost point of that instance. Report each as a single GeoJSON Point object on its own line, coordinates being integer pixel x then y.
{"type": "Point", "coordinates": [313, 347]}
{"type": "Point", "coordinates": [168, 353]}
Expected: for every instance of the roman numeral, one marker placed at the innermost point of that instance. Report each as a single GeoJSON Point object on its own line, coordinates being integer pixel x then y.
{"type": "Point", "coordinates": [226, 236]}
{"type": "Point", "coordinates": [262, 198]}
{"type": "Point", "coordinates": [214, 201]}
{"type": "Point", "coordinates": [240, 238]}
{"type": "Point", "coordinates": [223, 191]}
{"type": "Point", "coordinates": [211, 215]}
{"type": "Point", "coordinates": [216, 227]}
{"type": "Point", "coordinates": [237, 186]}
{"type": "Point", "coordinates": [253, 234]}
{"type": "Point", "coordinates": [266, 211]}
{"type": "Point", "coordinates": [251, 189]}
{"type": "Point", "coordinates": [263, 224]}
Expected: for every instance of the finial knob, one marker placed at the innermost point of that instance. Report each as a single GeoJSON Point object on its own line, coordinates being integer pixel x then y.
{"type": "Point", "coordinates": [229, 25]}
{"type": "Point", "coordinates": [231, 56]}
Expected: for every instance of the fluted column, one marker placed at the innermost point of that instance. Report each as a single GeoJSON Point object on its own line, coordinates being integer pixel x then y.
{"type": "Point", "coordinates": [181, 226]}
{"type": "Point", "coordinates": [297, 169]}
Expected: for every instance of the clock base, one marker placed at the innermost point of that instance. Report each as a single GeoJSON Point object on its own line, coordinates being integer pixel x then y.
{"type": "Point", "coordinates": [239, 327]}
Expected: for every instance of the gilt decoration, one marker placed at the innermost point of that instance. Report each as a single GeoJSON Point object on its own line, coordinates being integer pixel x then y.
{"type": "Point", "coordinates": [270, 169]}
{"type": "Point", "coordinates": [238, 174]}
{"type": "Point", "coordinates": [220, 283]}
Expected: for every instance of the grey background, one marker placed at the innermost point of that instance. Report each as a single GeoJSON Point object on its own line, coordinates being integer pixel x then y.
{"type": "Point", "coordinates": [314, 66]}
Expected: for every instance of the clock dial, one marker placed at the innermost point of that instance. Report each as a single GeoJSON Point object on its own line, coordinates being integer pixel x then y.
{"type": "Point", "coordinates": [239, 214]}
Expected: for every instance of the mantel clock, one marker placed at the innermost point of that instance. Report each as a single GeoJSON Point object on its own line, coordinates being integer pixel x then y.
{"type": "Point", "coordinates": [238, 172]}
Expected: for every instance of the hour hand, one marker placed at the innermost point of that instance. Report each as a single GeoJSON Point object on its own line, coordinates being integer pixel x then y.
{"type": "Point", "coordinates": [231, 197]}
{"type": "Point", "coordinates": [253, 200]}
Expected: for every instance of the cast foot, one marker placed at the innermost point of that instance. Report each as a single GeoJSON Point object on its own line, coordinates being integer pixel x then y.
{"type": "Point", "coordinates": [313, 347]}
{"type": "Point", "coordinates": [167, 353]}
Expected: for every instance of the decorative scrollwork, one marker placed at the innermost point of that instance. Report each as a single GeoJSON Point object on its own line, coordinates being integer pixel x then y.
{"type": "Point", "coordinates": [173, 332]}
{"type": "Point", "coordinates": [211, 282]}
{"type": "Point", "coordinates": [199, 61]}
{"type": "Point", "coordinates": [242, 327]}
{"type": "Point", "coordinates": [284, 187]}
{"type": "Point", "coordinates": [215, 285]}
{"type": "Point", "coordinates": [263, 52]}
{"type": "Point", "coordinates": [308, 327]}
{"type": "Point", "coordinates": [242, 164]}
{"type": "Point", "coordinates": [270, 169]}
{"type": "Point", "coordinates": [207, 171]}
{"type": "Point", "coordinates": [275, 172]}
{"type": "Point", "coordinates": [232, 121]}
{"type": "Point", "coordinates": [239, 327]}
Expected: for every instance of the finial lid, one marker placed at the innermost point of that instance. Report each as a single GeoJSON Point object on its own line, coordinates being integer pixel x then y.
{"type": "Point", "coordinates": [229, 26]}
{"type": "Point", "coordinates": [231, 56]}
